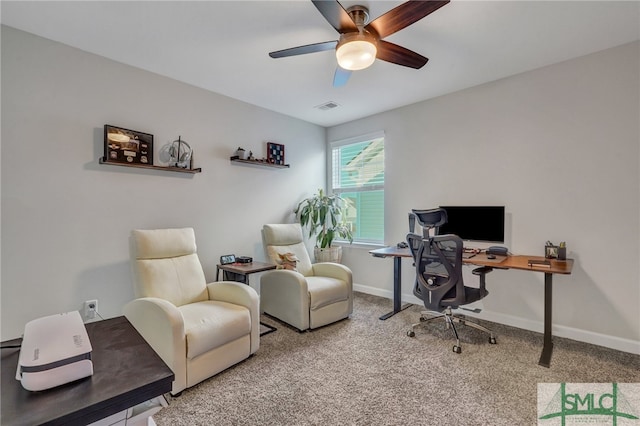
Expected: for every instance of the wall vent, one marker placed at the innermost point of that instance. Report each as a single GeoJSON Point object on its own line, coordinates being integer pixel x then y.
{"type": "Point", "coordinates": [327, 106]}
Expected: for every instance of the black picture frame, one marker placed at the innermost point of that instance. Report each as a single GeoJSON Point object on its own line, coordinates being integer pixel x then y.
{"type": "Point", "coordinates": [275, 153]}
{"type": "Point", "coordinates": [127, 146]}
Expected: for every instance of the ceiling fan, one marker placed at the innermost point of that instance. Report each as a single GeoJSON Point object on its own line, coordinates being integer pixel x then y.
{"type": "Point", "coordinates": [361, 41]}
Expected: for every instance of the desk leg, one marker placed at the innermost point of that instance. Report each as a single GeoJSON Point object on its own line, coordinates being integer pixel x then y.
{"type": "Point", "coordinates": [547, 347]}
{"type": "Point", "coordinates": [397, 291]}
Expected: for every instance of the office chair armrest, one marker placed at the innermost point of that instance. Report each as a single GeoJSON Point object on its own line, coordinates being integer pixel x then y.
{"type": "Point", "coordinates": [161, 325]}
{"type": "Point", "coordinates": [483, 270]}
{"type": "Point", "coordinates": [333, 270]}
{"type": "Point", "coordinates": [243, 295]}
{"type": "Point", "coordinates": [482, 273]}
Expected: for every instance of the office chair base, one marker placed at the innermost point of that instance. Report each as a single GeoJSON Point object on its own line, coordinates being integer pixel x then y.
{"type": "Point", "coordinates": [450, 320]}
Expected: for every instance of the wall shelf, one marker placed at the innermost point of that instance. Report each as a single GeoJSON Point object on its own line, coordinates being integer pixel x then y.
{"type": "Point", "coordinates": [259, 163]}
{"type": "Point", "coordinates": [102, 160]}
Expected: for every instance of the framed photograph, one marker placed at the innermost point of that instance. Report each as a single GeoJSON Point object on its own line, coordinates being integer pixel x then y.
{"type": "Point", "coordinates": [227, 259]}
{"type": "Point", "coordinates": [127, 146]}
{"type": "Point", "coordinates": [275, 153]}
{"type": "Point", "coordinates": [551, 252]}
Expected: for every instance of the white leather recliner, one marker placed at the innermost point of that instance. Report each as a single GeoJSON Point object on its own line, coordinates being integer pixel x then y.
{"type": "Point", "coordinates": [314, 295]}
{"type": "Point", "coordinates": [198, 329]}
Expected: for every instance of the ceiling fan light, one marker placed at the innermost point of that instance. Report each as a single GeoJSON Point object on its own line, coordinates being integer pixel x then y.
{"type": "Point", "coordinates": [356, 53]}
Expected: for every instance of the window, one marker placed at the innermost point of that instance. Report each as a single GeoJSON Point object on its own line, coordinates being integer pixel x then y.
{"type": "Point", "coordinates": [357, 175]}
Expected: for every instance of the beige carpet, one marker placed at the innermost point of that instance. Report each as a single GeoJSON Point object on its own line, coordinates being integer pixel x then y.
{"type": "Point", "coordinates": [363, 371]}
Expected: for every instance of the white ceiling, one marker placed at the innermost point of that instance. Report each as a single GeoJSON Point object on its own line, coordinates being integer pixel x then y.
{"type": "Point", "coordinates": [223, 46]}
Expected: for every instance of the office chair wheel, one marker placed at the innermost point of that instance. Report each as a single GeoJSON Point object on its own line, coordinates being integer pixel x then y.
{"type": "Point", "coordinates": [411, 333]}
{"type": "Point", "coordinates": [492, 340]}
{"type": "Point", "coordinates": [457, 349]}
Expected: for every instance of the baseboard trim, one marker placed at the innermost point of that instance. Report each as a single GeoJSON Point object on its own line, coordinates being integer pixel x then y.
{"type": "Point", "coordinates": [613, 342]}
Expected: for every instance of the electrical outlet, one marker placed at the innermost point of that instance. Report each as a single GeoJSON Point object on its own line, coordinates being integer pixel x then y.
{"type": "Point", "coordinates": [90, 308]}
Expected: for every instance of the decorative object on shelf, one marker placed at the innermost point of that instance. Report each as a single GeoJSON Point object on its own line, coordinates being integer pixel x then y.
{"type": "Point", "coordinates": [251, 157]}
{"type": "Point", "coordinates": [562, 251]}
{"type": "Point", "coordinates": [127, 146]}
{"type": "Point", "coordinates": [324, 216]}
{"type": "Point", "coordinates": [180, 153]}
{"type": "Point", "coordinates": [550, 250]}
{"type": "Point", "coordinates": [240, 153]}
{"type": "Point", "coordinates": [275, 153]}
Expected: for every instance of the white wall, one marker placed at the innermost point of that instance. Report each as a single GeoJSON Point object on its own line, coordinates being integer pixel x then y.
{"type": "Point", "coordinates": [66, 219]}
{"type": "Point", "coordinates": [558, 147]}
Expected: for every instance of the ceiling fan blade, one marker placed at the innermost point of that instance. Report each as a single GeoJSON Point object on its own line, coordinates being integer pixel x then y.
{"type": "Point", "coordinates": [335, 14]}
{"type": "Point", "coordinates": [402, 16]}
{"type": "Point", "coordinates": [341, 77]}
{"type": "Point", "coordinates": [302, 50]}
{"type": "Point", "coordinates": [399, 55]}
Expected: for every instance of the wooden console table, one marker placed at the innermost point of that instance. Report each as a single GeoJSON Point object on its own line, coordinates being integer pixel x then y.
{"type": "Point", "coordinates": [126, 372]}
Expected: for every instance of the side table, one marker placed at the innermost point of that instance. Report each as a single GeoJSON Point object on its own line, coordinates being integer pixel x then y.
{"type": "Point", "coordinates": [240, 272]}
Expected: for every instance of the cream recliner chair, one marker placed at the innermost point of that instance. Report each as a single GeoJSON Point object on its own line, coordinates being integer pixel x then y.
{"type": "Point", "coordinates": [198, 329]}
{"type": "Point", "coordinates": [314, 295]}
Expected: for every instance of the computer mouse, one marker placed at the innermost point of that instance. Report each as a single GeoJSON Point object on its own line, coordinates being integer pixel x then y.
{"type": "Point", "coordinates": [491, 256]}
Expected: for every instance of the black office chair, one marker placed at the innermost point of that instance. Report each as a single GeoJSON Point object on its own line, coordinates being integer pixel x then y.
{"type": "Point", "coordinates": [427, 219]}
{"type": "Point", "coordinates": [439, 282]}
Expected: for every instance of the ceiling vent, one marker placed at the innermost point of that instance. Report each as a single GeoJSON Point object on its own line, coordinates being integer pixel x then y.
{"type": "Point", "coordinates": [327, 106]}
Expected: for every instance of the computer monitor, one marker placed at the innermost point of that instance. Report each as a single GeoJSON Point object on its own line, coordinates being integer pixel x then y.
{"type": "Point", "coordinates": [475, 223]}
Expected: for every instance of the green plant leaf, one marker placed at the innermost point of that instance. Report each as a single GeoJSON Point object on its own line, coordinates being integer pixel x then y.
{"type": "Point", "coordinates": [323, 216]}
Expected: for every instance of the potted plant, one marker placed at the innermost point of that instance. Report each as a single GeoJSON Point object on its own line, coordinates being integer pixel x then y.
{"type": "Point", "coordinates": [324, 216]}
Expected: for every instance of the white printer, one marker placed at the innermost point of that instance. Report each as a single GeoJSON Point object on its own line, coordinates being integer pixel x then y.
{"type": "Point", "coordinates": [55, 350]}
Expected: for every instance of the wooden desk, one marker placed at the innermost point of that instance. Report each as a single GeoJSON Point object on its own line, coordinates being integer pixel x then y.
{"type": "Point", "coordinates": [126, 372]}
{"type": "Point", "coordinates": [520, 262]}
